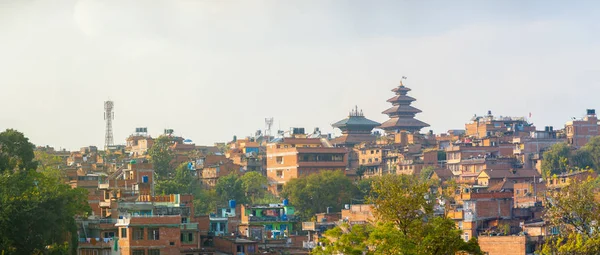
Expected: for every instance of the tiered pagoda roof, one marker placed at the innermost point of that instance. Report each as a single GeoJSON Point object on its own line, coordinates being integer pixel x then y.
{"type": "Point", "coordinates": [355, 128]}
{"type": "Point", "coordinates": [402, 114]}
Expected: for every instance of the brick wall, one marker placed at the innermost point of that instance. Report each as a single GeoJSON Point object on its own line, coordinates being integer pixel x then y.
{"type": "Point", "coordinates": [503, 245]}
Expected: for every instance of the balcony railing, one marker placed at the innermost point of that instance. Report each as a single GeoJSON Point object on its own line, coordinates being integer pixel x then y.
{"type": "Point", "coordinates": [189, 226]}
{"type": "Point", "coordinates": [270, 218]}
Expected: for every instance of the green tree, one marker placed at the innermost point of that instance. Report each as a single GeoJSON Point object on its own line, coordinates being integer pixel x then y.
{"type": "Point", "coordinates": [254, 186]}
{"type": "Point", "coordinates": [582, 159]}
{"type": "Point", "coordinates": [573, 211]}
{"type": "Point", "coordinates": [426, 173]}
{"type": "Point", "coordinates": [37, 209]}
{"type": "Point", "coordinates": [402, 200]}
{"type": "Point", "coordinates": [556, 159]}
{"type": "Point", "coordinates": [593, 148]}
{"type": "Point", "coordinates": [230, 187]}
{"type": "Point", "coordinates": [161, 156]}
{"type": "Point", "coordinates": [205, 201]}
{"type": "Point", "coordinates": [16, 152]}
{"type": "Point", "coordinates": [314, 193]}
{"type": "Point", "coordinates": [345, 240]}
{"type": "Point", "coordinates": [406, 224]}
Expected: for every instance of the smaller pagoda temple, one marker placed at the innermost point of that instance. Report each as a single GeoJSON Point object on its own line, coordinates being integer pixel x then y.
{"type": "Point", "coordinates": [355, 129]}
{"type": "Point", "coordinates": [402, 115]}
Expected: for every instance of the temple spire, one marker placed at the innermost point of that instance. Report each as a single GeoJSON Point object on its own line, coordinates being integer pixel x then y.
{"type": "Point", "coordinates": [402, 114]}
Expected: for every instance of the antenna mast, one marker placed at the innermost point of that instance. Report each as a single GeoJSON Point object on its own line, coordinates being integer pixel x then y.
{"type": "Point", "coordinates": [268, 125]}
{"type": "Point", "coordinates": [109, 116]}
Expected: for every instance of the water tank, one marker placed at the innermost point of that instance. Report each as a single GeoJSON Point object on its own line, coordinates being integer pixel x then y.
{"type": "Point", "coordinates": [145, 179]}
{"type": "Point", "coordinates": [231, 203]}
{"type": "Point", "coordinates": [133, 162]}
{"type": "Point", "coordinates": [286, 202]}
{"type": "Point", "coordinates": [347, 206]}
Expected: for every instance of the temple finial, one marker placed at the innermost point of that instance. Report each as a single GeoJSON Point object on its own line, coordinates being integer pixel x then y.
{"type": "Point", "coordinates": [403, 78]}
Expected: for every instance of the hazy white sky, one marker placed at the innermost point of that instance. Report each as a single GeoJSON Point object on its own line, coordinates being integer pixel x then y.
{"type": "Point", "coordinates": [214, 69]}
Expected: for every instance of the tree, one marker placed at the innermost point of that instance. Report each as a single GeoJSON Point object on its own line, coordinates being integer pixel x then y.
{"type": "Point", "coordinates": [16, 152]}
{"type": "Point", "coordinates": [573, 211]}
{"type": "Point", "coordinates": [230, 188]}
{"type": "Point", "coordinates": [38, 210]}
{"type": "Point", "coordinates": [314, 193]}
{"type": "Point", "coordinates": [406, 224]}
{"type": "Point", "coordinates": [402, 200]}
{"type": "Point", "coordinates": [582, 159]}
{"type": "Point", "coordinates": [347, 240]}
{"type": "Point", "coordinates": [426, 173]}
{"type": "Point", "coordinates": [593, 149]}
{"type": "Point", "coordinates": [254, 185]}
{"type": "Point", "coordinates": [161, 156]}
{"type": "Point", "coordinates": [556, 159]}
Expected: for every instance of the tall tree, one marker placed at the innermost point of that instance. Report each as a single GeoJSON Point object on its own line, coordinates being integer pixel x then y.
{"type": "Point", "coordinates": [16, 152]}
{"type": "Point", "coordinates": [406, 224]}
{"type": "Point", "coordinates": [556, 159]}
{"type": "Point", "coordinates": [573, 211]}
{"type": "Point", "coordinates": [314, 193]}
{"type": "Point", "coordinates": [230, 187]}
{"type": "Point", "coordinates": [593, 148]}
{"type": "Point", "coordinates": [37, 210]}
{"type": "Point", "coordinates": [254, 185]}
{"type": "Point", "coordinates": [162, 157]}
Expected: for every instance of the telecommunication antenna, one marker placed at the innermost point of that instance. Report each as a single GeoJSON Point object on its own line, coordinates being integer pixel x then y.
{"type": "Point", "coordinates": [109, 116]}
{"type": "Point", "coordinates": [268, 125]}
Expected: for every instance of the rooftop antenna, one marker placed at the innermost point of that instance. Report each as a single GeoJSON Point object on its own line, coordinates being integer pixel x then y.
{"type": "Point", "coordinates": [268, 125]}
{"type": "Point", "coordinates": [109, 116]}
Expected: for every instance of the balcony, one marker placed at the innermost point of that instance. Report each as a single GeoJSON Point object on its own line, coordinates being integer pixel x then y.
{"type": "Point", "coordinates": [306, 226]}
{"type": "Point", "coordinates": [189, 226]}
{"type": "Point", "coordinates": [321, 164]}
{"type": "Point", "coordinates": [455, 215]}
{"type": "Point", "coordinates": [96, 243]}
{"type": "Point", "coordinates": [270, 218]}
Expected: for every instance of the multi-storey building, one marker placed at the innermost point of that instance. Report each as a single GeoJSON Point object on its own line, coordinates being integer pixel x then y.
{"type": "Point", "coordinates": [579, 132]}
{"type": "Point", "coordinates": [290, 157]}
{"type": "Point", "coordinates": [487, 126]}
{"type": "Point", "coordinates": [268, 221]}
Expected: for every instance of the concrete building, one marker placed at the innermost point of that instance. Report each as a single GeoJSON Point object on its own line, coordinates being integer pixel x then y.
{"type": "Point", "coordinates": [269, 221]}
{"type": "Point", "coordinates": [489, 126]}
{"type": "Point", "coordinates": [579, 132]}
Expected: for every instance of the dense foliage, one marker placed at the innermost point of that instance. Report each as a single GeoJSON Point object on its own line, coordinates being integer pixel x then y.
{"type": "Point", "coordinates": [561, 158]}
{"type": "Point", "coordinates": [573, 211]}
{"type": "Point", "coordinates": [405, 224]}
{"type": "Point", "coordinates": [314, 193]}
{"type": "Point", "coordinates": [37, 212]}
{"type": "Point", "coordinates": [161, 156]}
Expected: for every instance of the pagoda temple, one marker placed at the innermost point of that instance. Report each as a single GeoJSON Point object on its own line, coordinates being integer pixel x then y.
{"type": "Point", "coordinates": [355, 129]}
{"type": "Point", "coordinates": [402, 115]}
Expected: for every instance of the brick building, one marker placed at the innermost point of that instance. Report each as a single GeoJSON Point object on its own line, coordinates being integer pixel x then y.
{"type": "Point", "coordinates": [579, 132]}
{"type": "Point", "coordinates": [290, 157]}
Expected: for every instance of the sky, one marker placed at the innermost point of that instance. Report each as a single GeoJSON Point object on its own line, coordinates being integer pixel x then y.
{"type": "Point", "coordinates": [214, 69]}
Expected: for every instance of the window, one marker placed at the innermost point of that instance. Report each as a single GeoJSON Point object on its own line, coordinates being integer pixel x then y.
{"type": "Point", "coordinates": [278, 146]}
{"type": "Point", "coordinates": [154, 252]}
{"type": "Point", "coordinates": [279, 160]}
{"type": "Point", "coordinates": [184, 220]}
{"type": "Point", "coordinates": [138, 252]}
{"type": "Point", "coordinates": [153, 234]}
{"type": "Point", "coordinates": [280, 173]}
{"type": "Point", "coordinates": [109, 234]}
{"type": "Point", "coordinates": [187, 237]}
{"type": "Point", "coordinates": [372, 152]}
{"type": "Point", "coordinates": [363, 160]}
{"type": "Point", "coordinates": [123, 233]}
{"type": "Point", "coordinates": [138, 234]}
